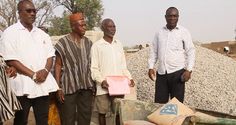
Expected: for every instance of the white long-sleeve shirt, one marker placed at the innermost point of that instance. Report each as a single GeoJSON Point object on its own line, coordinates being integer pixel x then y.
{"type": "Point", "coordinates": [107, 59]}
{"type": "Point", "coordinates": [173, 49]}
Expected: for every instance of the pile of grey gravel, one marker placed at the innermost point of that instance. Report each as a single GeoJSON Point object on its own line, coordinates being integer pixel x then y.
{"type": "Point", "coordinates": [212, 86]}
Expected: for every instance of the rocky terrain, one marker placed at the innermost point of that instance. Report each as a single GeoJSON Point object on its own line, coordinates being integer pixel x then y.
{"type": "Point", "coordinates": [213, 83]}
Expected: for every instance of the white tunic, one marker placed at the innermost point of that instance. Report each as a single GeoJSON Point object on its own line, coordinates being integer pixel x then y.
{"type": "Point", "coordinates": [107, 59]}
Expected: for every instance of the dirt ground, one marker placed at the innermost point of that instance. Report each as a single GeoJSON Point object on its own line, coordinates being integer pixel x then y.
{"type": "Point", "coordinates": [219, 47]}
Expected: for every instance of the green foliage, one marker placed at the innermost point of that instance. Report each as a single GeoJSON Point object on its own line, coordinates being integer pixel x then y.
{"type": "Point", "coordinates": [92, 9]}
{"type": "Point", "coordinates": [60, 25]}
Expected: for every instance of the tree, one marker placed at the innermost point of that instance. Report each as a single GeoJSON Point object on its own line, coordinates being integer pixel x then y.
{"type": "Point", "coordinates": [8, 12]}
{"type": "Point", "coordinates": [60, 25]}
{"type": "Point", "coordinates": [92, 9]}
{"type": "Point", "coordinates": [45, 10]}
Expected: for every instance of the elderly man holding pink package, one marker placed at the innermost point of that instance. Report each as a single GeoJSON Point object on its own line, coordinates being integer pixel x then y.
{"type": "Point", "coordinates": [108, 60]}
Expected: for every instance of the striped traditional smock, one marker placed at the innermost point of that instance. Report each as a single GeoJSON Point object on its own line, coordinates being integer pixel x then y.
{"type": "Point", "coordinates": [76, 73]}
{"type": "Point", "coordinates": [8, 100]}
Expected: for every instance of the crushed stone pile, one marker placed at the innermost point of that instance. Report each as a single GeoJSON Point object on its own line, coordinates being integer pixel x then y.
{"type": "Point", "coordinates": [212, 86]}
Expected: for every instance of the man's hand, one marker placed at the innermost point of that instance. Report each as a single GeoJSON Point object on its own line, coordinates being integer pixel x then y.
{"type": "Point", "coordinates": [41, 76]}
{"type": "Point", "coordinates": [60, 96]}
{"type": "Point", "coordinates": [132, 84]}
{"type": "Point", "coordinates": [186, 75]}
{"type": "Point", "coordinates": [104, 84]}
{"type": "Point", "coordinates": [11, 71]}
{"type": "Point", "coordinates": [151, 74]}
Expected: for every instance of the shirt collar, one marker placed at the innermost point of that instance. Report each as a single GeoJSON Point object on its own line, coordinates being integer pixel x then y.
{"type": "Point", "coordinates": [21, 27]}
{"type": "Point", "coordinates": [177, 27]}
{"type": "Point", "coordinates": [105, 42]}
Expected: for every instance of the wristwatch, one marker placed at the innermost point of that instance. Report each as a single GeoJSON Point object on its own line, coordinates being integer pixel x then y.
{"type": "Point", "coordinates": [46, 70]}
{"type": "Point", "coordinates": [34, 76]}
{"type": "Point", "coordinates": [189, 71]}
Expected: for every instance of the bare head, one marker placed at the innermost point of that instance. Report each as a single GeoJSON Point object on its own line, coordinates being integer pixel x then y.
{"type": "Point", "coordinates": [108, 27]}
{"type": "Point", "coordinates": [27, 12]}
{"type": "Point", "coordinates": [172, 16]}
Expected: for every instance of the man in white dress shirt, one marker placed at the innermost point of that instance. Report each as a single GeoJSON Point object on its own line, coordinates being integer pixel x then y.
{"type": "Point", "coordinates": [30, 51]}
{"type": "Point", "coordinates": [173, 48]}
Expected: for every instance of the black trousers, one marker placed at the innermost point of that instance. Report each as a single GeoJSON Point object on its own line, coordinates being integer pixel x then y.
{"type": "Point", "coordinates": [40, 106]}
{"type": "Point", "coordinates": [169, 86]}
{"type": "Point", "coordinates": [77, 107]}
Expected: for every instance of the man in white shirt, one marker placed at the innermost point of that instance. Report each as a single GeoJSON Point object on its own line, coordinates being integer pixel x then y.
{"type": "Point", "coordinates": [173, 48]}
{"type": "Point", "coordinates": [30, 51]}
{"type": "Point", "coordinates": [107, 59]}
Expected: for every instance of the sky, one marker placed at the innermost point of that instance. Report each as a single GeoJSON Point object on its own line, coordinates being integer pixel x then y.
{"type": "Point", "coordinates": [138, 20]}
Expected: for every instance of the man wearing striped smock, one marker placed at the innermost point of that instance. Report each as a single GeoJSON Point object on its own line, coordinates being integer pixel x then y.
{"type": "Point", "coordinates": [72, 73]}
{"type": "Point", "coordinates": [8, 101]}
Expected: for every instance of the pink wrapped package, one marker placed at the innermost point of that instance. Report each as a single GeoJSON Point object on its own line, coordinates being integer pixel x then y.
{"type": "Point", "coordinates": [118, 85]}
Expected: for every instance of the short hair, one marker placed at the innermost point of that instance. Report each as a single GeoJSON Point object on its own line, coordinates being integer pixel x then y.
{"type": "Point", "coordinates": [104, 22]}
{"type": "Point", "coordinates": [20, 4]}
{"type": "Point", "coordinates": [171, 8]}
